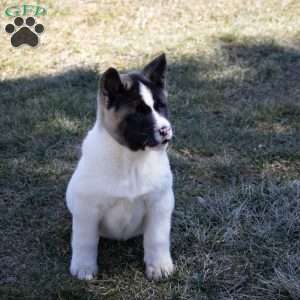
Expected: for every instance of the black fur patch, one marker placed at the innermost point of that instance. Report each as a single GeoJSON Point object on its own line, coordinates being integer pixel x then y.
{"type": "Point", "coordinates": [134, 123]}
{"type": "Point", "coordinates": [137, 127]}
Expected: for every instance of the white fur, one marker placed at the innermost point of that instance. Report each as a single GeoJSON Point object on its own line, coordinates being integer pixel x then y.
{"type": "Point", "coordinates": [160, 121]}
{"type": "Point", "coordinates": [118, 193]}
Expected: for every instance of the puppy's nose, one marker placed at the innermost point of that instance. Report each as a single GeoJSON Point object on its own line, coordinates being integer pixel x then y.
{"type": "Point", "coordinates": [164, 131]}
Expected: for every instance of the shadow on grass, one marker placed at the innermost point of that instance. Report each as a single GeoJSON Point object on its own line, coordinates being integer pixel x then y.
{"type": "Point", "coordinates": [243, 108]}
{"type": "Point", "coordinates": [232, 116]}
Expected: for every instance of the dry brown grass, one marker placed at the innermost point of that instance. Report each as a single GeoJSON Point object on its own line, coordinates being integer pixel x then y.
{"type": "Point", "coordinates": [234, 70]}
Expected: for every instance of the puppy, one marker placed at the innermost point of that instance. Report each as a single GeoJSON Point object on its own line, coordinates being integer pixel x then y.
{"type": "Point", "coordinates": [122, 186]}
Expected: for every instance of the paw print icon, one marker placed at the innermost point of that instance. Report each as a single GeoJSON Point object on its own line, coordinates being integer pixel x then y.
{"type": "Point", "coordinates": [27, 33]}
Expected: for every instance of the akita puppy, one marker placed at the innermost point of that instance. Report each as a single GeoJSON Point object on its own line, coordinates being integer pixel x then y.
{"type": "Point", "coordinates": [122, 186]}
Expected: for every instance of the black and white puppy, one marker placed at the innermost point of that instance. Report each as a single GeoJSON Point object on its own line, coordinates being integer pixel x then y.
{"type": "Point", "coordinates": [122, 186]}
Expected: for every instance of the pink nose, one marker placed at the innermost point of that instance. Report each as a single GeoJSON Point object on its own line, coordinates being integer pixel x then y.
{"type": "Point", "coordinates": [164, 131]}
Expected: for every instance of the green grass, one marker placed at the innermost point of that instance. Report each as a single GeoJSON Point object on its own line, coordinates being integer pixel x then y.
{"type": "Point", "coordinates": [234, 71]}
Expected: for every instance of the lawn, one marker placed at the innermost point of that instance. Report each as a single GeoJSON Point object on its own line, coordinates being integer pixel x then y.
{"type": "Point", "coordinates": [234, 94]}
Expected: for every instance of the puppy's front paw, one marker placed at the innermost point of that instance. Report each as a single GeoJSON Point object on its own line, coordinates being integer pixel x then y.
{"type": "Point", "coordinates": [159, 268]}
{"type": "Point", "coordinates": [83, 271]}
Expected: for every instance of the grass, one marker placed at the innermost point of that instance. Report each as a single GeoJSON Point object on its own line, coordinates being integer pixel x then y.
{"type": "Point", "coordinates": [234, 70]}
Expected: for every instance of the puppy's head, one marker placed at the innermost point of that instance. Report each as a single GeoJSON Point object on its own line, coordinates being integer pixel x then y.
{"type": "Point", "coordinates": [133, 107]}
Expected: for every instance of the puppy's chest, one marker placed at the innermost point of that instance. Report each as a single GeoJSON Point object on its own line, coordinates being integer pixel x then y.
{"type": "Point", "coordinates": [123, 219]}
{"type": "Point", "coordinates": [135, 184]}
{"type": "Point", "coordinates": [130, 194]}
{"type": "Point", "coordinates": [135, 181]}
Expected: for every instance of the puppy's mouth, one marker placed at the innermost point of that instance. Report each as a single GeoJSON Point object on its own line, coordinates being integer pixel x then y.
{"type": "Point", "coordinates": [152, 144]}
{"type": "Point", "coordinates": [166, 141]}
{"type": "Point", "coordinates": [158, 144]}
{"type": "Point", "coordinates": [152, 140]}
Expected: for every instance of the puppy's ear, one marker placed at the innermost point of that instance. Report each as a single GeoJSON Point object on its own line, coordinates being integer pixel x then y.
{"type": "Point", "coordinates": [110, 86]}
{"type": "Point", "coordinates": [156, 70]}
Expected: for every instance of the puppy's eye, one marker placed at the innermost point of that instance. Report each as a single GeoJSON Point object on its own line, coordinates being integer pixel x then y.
{"type": "Point", "coordinates": [143, 109]}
